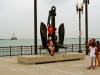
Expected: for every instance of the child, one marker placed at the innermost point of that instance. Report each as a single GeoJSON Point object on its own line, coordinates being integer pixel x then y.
{"type": "Point", "coordinates": [51, 47]}
{"type": "Point", "coordinates": [92, 50]}
{"type": "Point", "coordinates": [50, 30]}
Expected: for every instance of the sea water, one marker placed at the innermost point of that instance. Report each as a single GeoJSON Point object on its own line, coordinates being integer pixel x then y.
{"type": "Point", "coordinates": [28, 42]}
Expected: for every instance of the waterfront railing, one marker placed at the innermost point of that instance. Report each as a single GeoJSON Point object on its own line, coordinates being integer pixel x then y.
{"type": "Point", "coordinates": [29, 50]}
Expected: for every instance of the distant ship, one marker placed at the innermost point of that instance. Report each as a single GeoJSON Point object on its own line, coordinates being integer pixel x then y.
{"type": "Point", "coordinates": [13, 37]}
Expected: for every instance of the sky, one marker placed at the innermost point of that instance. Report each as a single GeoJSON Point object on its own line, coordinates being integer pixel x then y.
{"type": "Point", "coordinates": [17, 16]}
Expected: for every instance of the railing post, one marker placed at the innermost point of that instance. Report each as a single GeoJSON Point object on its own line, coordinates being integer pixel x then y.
{"type": "Point", "coordinates": [21, 49]}
{"type": "Point", "coordinates": [40, 49]}
{"type": "Point", "coordinates": [31, 49]}
{"type": "Point", "coordinates": [10, 50]}
{"type": "Point", "coordinates": [72, 47]}
{"type": "Point", "coordinates": [65, 48]}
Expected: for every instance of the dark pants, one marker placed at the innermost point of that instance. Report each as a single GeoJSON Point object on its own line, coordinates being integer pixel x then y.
{"type": "Point", "coordinates": [50, 35]}
{"type": "Point", "coordinates": [55, 38]}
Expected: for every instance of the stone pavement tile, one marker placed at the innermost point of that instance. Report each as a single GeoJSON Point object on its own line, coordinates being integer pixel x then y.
{"type": "Point", "coordinates": [10, 66]}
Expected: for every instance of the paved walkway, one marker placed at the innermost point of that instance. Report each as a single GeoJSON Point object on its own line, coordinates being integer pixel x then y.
{"type": "Point", "coordinates": [10, 66]}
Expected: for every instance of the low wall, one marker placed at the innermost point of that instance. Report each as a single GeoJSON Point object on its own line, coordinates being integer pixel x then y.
{"type": "Point", "coordinates": [33, 59]}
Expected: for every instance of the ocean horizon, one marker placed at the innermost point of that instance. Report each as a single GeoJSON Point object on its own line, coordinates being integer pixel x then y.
{"type": "Point", "coordinates": [28, 42]}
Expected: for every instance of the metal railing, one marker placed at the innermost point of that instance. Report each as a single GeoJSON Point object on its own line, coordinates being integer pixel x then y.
{"type": "Point", "coordinates": [29, 50]}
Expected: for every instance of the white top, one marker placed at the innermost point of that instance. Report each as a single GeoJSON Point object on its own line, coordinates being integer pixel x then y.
{"type": "Point", "coordinates": [92, 52]}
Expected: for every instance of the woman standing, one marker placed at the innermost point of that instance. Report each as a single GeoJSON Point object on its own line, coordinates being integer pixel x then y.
{"type": "Point", "coordinates": [97, 56]}
{"type": "Point", "coordinates": [92, 50]}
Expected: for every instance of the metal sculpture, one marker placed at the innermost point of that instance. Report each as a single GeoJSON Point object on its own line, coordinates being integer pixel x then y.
{"type": "Point", "coordinates": [43, 30]}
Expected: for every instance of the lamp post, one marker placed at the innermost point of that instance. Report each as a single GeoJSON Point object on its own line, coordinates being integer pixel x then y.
{"type": "Point", "coordinates": [35, 27]}
{"type": "Point", "coordinates": [86, 23]}
{"type": "Point", "coordinates": [80, 9]}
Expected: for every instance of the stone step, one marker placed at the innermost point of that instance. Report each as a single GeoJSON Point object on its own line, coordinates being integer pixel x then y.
{"type": "Point", "coordinates": [33, 59]}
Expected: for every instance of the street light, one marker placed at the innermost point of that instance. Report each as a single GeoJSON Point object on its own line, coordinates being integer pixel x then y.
{"type": "Point", "coordinates": [35, 27]}
{"type": "Point", "coordinates": [80, 9]}
{"type": "Point", "coordinates": [86, 23]}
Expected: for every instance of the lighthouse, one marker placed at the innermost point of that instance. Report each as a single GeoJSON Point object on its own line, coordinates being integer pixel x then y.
{"type": "Point", "coordinates": [13, 37]}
